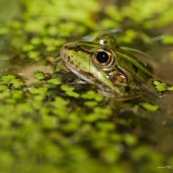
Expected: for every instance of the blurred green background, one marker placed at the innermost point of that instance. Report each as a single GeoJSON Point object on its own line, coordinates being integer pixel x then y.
{"type": "Point", "coordinates": [48, 125]}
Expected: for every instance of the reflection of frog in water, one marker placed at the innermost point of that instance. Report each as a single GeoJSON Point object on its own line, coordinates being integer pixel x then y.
{"type": "Point", "coordinates": [104, 63]}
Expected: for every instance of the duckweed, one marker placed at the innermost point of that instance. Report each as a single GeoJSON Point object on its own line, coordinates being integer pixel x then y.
{"type": "Point", "coordinates": [150, 107]}
{"type": "Point", "coordinates": [92, 95]}
{"type": "Point", "coordinates": [8, 78]}
{"type": "Point", "coordinates": [3, 87]}
{"type": "Point", "coordinates": [170, 88]}
{"type": "Point", "coordinates": [167, 39]}
{"type": "Point", "coordinates": [54, 81]}
{"type": "Point", "coordinates": [90, 103]}
{"type": "Point", "coordinates": [39, 91]}
{"type": "Point", "coordinates": [11, 80]}
{"type": "Point", "coordinates": [56, 125]}
{"type": "Point", "coordinates": [161, 86]}
{"type": "Point", "coordinates": [39, 75]}
{"type": "Point", "coordinates": [70, 91]}
{"type": "Point", "coordinates": [105, 126]}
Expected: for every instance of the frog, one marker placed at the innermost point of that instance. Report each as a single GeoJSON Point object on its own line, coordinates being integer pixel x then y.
{"type": "Point", "coordinates": [104, 63]}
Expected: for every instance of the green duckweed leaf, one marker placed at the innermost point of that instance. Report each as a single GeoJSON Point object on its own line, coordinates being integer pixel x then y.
{"type": "Point", "coordinates": [8, 78]}
{"type": "Point", "coordinates": [160, 86]}
{"type": "Point", "coordinates": [41, 90]}
{"type": "Point", "coordinates": [69, 91]}
{"type": "Point", "coordinates": [28, 47]}
{"type": "Point", "coordinates": [130, 139]}
{"type": "Point", "coordinates": [92, 95]}
{"type": "Point", "coordinates": [33, 54]}
{"type": "Point", "coordinates": [36, 41]}
{"type": "Point", "coordinates": [54, 81]}
{"type": "Point", "coordinates": [106, 126]}
{"type": "Point", "coordinates": [17, 94]}
{"type": "Point", "coordinates": [39, 76]}
{"type": "Point", "coordinates": [156, 82]}
{"type": "Point", "coordinates": [67, 88]}
{"type": "Point", "coordinates": [90, 103]}
{"type": "Point", "coordinates": [167, 39]}
{"type": "Point", "coordinates": [170, 88]}
{"type": "Point", "coordinates": [17, 83]}
{"type": "Point", "coordinates": [110, 155]}
{"type": "Point", "coordinates": [49, 122]}
{"type": "Point", "coordinates": [73, 94]}
{"type": "Point", "coordinates": [4, 95]}
{"type": "Point", "coordinates": [59, 102]}
{"type": "Point", "coordinates": [3, 87]}
{"type": "Point", "coordinates": [12, 80]}
{"type": "Point", "coordinates": [150, 107]}
{"type": "Point", "coordinates": [88, 95]}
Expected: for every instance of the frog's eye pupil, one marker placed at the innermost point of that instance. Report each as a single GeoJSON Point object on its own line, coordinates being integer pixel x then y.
{"type": "Point", "coordinates": [102, 57]}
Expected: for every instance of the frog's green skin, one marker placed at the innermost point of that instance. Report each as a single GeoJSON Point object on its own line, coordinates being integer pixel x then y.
{"type": "Point", "coordinates": [104, 63]}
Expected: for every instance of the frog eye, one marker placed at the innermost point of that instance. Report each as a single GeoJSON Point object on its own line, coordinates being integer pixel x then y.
{"type": "Point", "coordinates": [103, 58]}
{"type": "Point", "coordinates": [107, 39]}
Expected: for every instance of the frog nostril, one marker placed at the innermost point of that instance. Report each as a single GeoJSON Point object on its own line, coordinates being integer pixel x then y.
{"type": "Point", "coordinates": [78, 48]}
